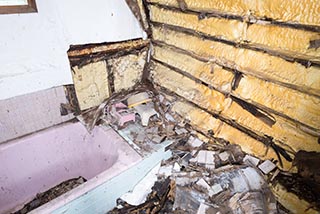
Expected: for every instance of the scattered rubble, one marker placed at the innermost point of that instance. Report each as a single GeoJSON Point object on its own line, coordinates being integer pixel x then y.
{"type": "Point", "coordinates": [200, 177]}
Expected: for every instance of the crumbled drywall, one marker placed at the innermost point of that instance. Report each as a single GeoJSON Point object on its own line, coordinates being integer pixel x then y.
{"type": "Point", "coordinates": [91, 84]}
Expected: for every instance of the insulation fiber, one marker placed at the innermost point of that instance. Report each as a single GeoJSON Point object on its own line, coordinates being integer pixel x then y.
{"type": "Point", "coordinates": [302, 11]}
{"type": "Point", "coordinates": [91, 84]}
{"type": "Point", "coordinates": [260, 64]}
{"type": "Point", "coordinates": [288, 41]}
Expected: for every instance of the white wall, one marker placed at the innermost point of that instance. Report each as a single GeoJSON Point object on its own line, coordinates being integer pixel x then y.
{"type": "Point", "coordinates": [33, 46]}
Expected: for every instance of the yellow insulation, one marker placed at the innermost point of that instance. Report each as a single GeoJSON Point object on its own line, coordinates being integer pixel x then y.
{"type": "Point", "coordinates": [302, 11]}
{"type": "Point", "coordinates": [291, 201]}
{"type": "Point", "coordinates": [287, 41]}
{"type": "Point", "coordinates": [249, 145]}
{"type": "Point", "coordinates": [282, 130]}
{"type": "Point", "coordinates": [91, 84]}
{"type": "Point", "coordinates": [302, 107]}
{"type": "Point", "coordinates": [187, 88]}
{"type": "Point", "coordinates": [127, 70]}
{"type": "Point", "coordinates": [291, 137]}
{"type": "Point", "coordinates": [208, 72]}
{"type": "Point", "coordinates": [248, 61]}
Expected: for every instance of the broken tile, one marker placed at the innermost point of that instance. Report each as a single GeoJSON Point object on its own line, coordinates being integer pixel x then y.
{"type": "Point", "coordinates": [184, 181]}
{"type": "Point", "coordinates": [251, 160]}
{"type": "Point", "coordinates": [267, 166]}
{"type": "Point", "coordinates": [176, 167]}
{"type": "Point", "coordinates": [205, 186]}
{"type": "Point", "coordinates": [204, 157]}
{"type": "Point", "coordinates": [169, 117]}
{"type": "Point", "coordinates": [158, 139]}
{"type": "Point", "coordinates": [202, 209]}
{"type": "Point", "coordinates": [194, 142]}
{"type": "Point", "coordinates": [216, 188]}
{"type": "Point", "coordinates": [224, 156]}
{"type": "Point", "coordinates": [180, 131]}
{"type": "Point", "coordinates": [165, 170]}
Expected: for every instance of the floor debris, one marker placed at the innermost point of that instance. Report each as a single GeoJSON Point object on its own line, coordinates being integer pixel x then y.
{"type": "Point", "coordinates": [204, 175]}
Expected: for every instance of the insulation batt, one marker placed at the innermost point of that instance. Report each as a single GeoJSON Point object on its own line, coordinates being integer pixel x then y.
{"type": "Point", "coordinates": [303, 11]}
{"type": "Point", "coordinates": [289, 41]}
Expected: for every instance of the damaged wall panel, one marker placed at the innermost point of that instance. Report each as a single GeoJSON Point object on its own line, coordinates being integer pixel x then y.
{"type": "Point", "coordinates": [221, 79]}
{"type": "Point", "coordinates": [91, 84]}
{"type": "Point", "coordinates": [102, 69]}
{"type": "Point", "coordinates": [127, 70]}
{"type": "Point", "coordinates": [273, 39]}
{"type": "Point", "coordinates": [260, 64]}
{"type": "Point", "coordinates": [304, 12]}
{"type": "Point", "coordinates": [247, 72]}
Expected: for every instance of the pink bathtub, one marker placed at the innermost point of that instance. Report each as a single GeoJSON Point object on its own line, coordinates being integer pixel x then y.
{"type": "Point", "coordinates": [40, 161]}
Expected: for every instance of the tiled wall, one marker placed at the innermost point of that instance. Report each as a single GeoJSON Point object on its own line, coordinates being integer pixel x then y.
{"type": "Point", "coordinates": [29, 113]}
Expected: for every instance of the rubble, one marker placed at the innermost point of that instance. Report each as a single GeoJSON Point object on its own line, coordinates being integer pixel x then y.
{"type": "Point", "coordinates": [267, 166]}
{"type": "Point", "coordinates": [200, 177]}
{"type": "Point", "coordinates": [251, 160]}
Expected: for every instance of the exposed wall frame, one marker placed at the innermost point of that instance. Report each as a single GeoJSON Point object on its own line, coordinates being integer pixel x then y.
{"type": "Point", "coordinates": [31, 7]}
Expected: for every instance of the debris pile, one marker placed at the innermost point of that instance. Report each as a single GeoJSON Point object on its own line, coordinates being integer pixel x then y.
{"type": "Point", "coordinates": [204, 174]}
{"type": "Point", "coordinates": [202, 179]}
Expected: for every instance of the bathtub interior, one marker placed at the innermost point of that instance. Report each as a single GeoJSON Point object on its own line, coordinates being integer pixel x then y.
{"type": "Point", "coordinates": [40, 161]}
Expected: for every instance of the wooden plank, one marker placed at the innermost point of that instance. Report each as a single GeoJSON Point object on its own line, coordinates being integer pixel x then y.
{"type": "Point", "coordinates": [282, 40]}
{"type": "Point", "coordinates": [288, 135]}
{"type": "Point", "coordinates": [80, 50]}
{"type": "Point", "coordinates": [303, 11]}
{"type": "Point", "coordinates": [260, 64]}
